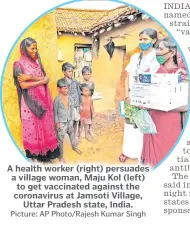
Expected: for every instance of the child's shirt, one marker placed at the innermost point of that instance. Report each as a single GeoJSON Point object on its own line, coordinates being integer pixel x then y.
{"type": "Point", "coordinates": [74, 92]}
{"type": "Point", "coordinates": [61, 113]}
{"type": "Point", "coordinates": [87, 107]}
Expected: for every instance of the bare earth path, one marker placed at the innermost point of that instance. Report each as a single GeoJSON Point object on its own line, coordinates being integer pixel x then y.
{"type": "Point", "coordinates": [108, 134]}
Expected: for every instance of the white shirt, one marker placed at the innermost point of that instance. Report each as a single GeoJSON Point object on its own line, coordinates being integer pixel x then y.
{"type": "Point", "coordinates": [148, 64]}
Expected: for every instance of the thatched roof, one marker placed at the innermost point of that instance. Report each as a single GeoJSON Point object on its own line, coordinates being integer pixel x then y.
{"type": "Point", "coordinates": [75, 20]}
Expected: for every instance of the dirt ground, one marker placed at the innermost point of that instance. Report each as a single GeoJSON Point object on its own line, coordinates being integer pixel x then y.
{"type": "Point", "coordinates": [108, 133]}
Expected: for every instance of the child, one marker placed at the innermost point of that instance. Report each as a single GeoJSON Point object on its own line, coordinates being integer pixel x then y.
{"type": "Point", "coordinates": [86, 73]}
{"type": "Point", "coordinates": [63, 114]}
{"type": "Point", "coordinates": [74, 92]}
{"type": "Point", "coordinates": [87, 112]}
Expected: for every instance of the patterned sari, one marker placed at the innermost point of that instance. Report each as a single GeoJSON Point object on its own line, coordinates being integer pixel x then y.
{"type": "Point", "coordinates": [36, 111]}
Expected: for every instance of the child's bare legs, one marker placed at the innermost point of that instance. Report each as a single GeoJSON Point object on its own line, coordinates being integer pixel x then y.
{"type": "Point", "coordinates": [73, 141]}
{"type": "Point", "coordinates": [81, 125]}
{"type": "Point", "coordinates": [87, 132]}
{"type": "Point", "coordinates": [90, 131]}
{"type": "Point", "coordinates": [61, 135]}
{"type": "Point", "coordinates": [75, 125]}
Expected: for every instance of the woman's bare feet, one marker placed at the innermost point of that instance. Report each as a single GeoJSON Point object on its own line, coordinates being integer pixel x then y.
{"type": "Point", "coordinates": [34, 161]}
{"type": "Point", "coordinates": [62, 161]}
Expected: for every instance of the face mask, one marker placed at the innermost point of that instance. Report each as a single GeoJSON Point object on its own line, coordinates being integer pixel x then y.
{"type": "Point", "coordinates": [145, 46]}
{"type": "Point", "coordinates": [161, 58]}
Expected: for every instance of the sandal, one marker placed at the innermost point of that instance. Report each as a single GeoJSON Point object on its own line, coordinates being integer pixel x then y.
{"type": "Point", "coordinates": [123, 158]}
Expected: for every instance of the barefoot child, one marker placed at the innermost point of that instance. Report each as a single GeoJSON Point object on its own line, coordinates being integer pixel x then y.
{"type": "Point", "coordinates": [87, 112]}
{"type": "Point", "coordinates": [63, 114]}
{"type": "Point", "coordinates": [87, 73]}
{"type": "Point", "coordinates": [74, 92]}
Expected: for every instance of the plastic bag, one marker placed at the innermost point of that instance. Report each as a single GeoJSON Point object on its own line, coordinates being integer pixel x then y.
{"type": "Point", "coordinates": [130, 111]}
{"type": "Point", "coordinates": [126, 111]}
{"type": "Point", "coordinates": [144, 122]}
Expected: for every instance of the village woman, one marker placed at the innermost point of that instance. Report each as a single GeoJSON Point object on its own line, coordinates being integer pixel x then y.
{"type": "Point", "coordinates": [145, 61]}
{"type": "Point", "coordinates": [168, 124]}
{"type": "Point", "coordinates": [36, 108]}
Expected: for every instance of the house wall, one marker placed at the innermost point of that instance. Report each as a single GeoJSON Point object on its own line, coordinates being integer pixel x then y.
{"type": "Point", "coordinates": [106, 72]}
{"type": "Point", "coordinates": [66, 44]}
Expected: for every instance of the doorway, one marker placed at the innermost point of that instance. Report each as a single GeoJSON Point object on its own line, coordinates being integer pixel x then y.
{"type": "Point", "coordinates": [82, 57]}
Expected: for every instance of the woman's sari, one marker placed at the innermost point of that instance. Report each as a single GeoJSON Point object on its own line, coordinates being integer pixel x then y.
{"type": "Point", "coordinates": [36, 111]}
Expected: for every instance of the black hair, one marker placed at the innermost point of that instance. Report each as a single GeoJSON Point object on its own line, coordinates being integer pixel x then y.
{"type": "Point", "coordinates": [151, 33]}
{"type": "Point", "coordinates": [27, 42]}
{"type": "Point", "coordinates": [67, 66]}
{"type": "Point", "coordinates": [82, 86]}
{"type": "Point", "coordinates": [171, 45]}
{"type": "Point", "coordinates": [62, 83]}
{"type": "Point", "coordinates": [86, 69]}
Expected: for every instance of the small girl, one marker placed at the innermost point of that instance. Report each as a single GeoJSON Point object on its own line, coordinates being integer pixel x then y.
{"type": "Point", "coordinates": [86, 73]}
{"type": "Point", "coordinates": [87, 113]}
